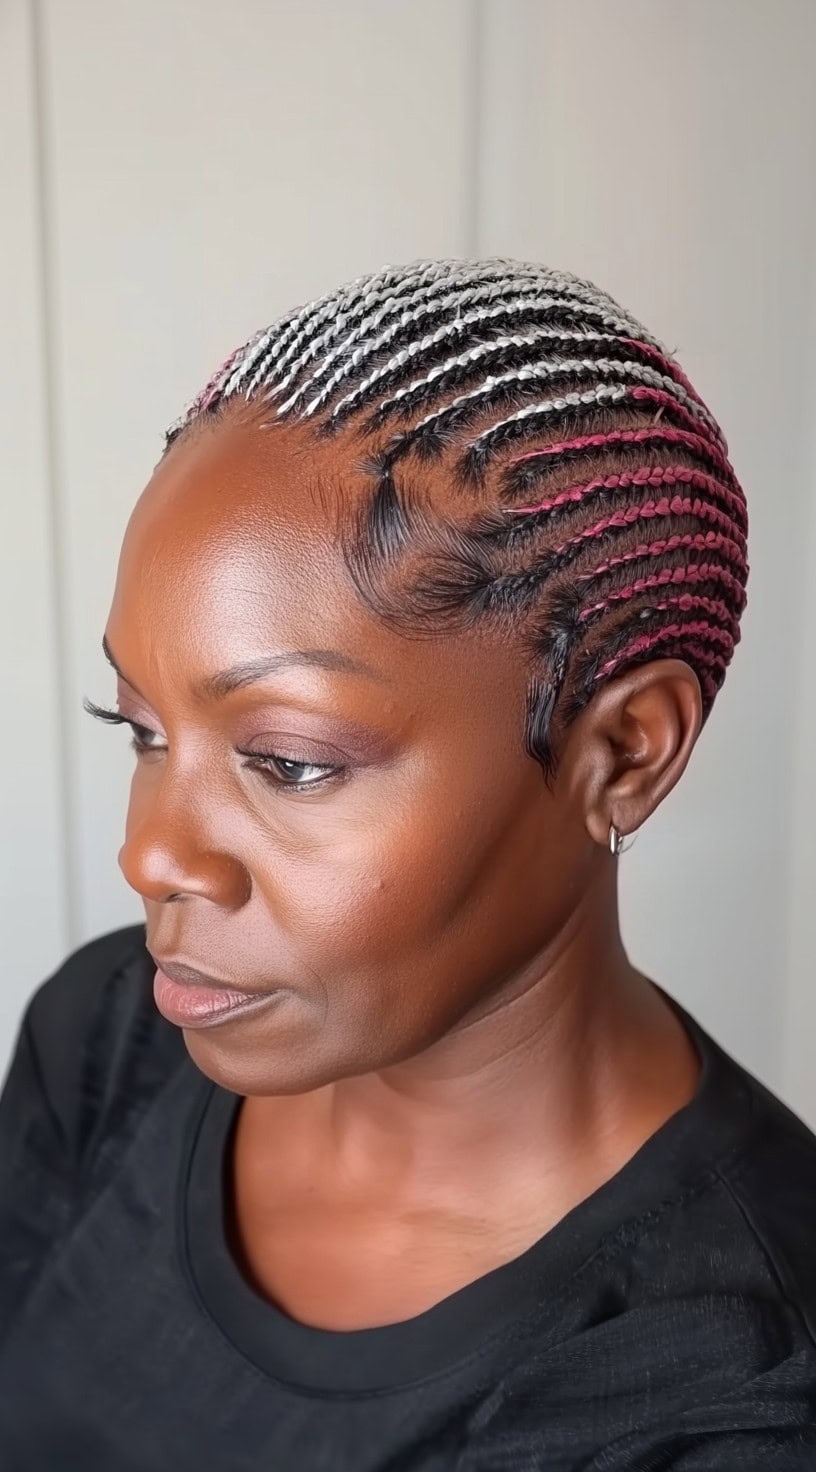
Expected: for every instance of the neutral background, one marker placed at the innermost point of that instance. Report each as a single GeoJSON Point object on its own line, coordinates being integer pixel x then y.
{"type": "Point", "coordinates": [176, 172]}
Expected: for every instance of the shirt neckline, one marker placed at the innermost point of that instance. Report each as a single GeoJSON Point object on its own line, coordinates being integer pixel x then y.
{"type": "Point", "coordinates": [677, 1158]}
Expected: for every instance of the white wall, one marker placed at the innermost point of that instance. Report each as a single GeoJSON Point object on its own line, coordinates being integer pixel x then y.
{"type": "Point", "coordinates": [33, 834]}
{"type": "Point", "coordinates": [181, 173]}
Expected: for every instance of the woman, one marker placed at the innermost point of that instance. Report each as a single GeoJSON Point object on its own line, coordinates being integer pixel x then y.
{"type": "Point", "coordinates": [408, 1167]}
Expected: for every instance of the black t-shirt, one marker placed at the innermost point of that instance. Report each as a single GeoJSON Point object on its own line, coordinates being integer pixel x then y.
{"type": "Point", "coordinates": [667, 1322]}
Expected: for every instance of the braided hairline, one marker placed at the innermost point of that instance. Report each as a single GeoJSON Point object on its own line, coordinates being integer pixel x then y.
{"type": "Point", "coordinates": [459, 585]}
{"type": "Point", "coordinates": [456, 283]}
{"type": "Point", "coordinates": [330, 353]}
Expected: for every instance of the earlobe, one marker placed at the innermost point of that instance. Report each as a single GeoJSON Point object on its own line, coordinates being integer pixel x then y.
{"type": "Point", "coordinates": [642, 729]}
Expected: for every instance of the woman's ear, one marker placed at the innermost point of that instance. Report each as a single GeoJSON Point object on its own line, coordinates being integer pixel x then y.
{"type": "Point", "coordinates": [632, 744]}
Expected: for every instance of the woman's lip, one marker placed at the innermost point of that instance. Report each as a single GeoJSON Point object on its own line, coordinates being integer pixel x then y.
{"type": "Point", "coordinates": [203, 1003]}
{"type": "Point", "coordinates": [191, 976]}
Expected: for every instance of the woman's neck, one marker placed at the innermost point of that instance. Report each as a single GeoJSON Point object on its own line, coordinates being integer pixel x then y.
{"type": "Point", "coordinates": [574, 1052]}
{"type": "Point", "coordinates": [367, 1201]}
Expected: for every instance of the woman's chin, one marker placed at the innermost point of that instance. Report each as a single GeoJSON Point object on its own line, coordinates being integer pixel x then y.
{"type": "Point", "coordinates": [265, 1052]}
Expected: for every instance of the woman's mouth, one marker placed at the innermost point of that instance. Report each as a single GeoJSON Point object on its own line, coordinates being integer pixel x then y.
{"type": "Point", "coordinates": [190, 998]}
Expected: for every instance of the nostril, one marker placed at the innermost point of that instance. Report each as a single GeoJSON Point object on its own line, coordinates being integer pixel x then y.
{"type": "Point", "coordinates": [167, 873]}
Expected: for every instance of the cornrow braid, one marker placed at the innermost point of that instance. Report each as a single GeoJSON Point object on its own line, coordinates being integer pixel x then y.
{"type": "Point", "coordinates": [285, 339]}
{"type": "Point", "coordinates": [350, 316]}
{"type": "Point", "coordinates": [482, 285]}
{"type": "Point", "coordinates": [523, 309]}
{"type": "Point", "coordinates": [463, 407]}
{"type": "Point", "coordinates": [670, 578]}
{"type": "Point", "coordinates": [647, 476]}
{"type": "Point", "coordinates": [467, 325]}
{"type": "Point", "coordinates": [526, 469]}
{"type": "Point", "coordinates": [517, 352]}
{"type": "Point", "coordinates": [366, 340]}
{"type": "Point", "coordinates": [708, 542]}
{"type": "Point", "coordinates": [557, 430]}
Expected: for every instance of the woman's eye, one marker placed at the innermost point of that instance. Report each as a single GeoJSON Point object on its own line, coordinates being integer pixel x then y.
{"type": "Point", "coordinates": [287, 772]}
{"type": "Point", "coordinates": [280, 771]}
{"type": "Point", "coordinates": [143, 739]}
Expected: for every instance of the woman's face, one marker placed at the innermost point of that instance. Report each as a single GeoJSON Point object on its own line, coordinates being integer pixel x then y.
{"type": "Point", "coordinates": [422, 865]}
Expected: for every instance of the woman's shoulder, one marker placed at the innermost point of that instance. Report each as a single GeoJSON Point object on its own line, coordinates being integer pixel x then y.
{"type": "Point", "coordinates": [772, 1185]}
{"type": "Point", "coordinates": [87, 978]}
{"type": "Point", "coordinates": [746, 1190]}
{"type": "Point", "coordinates": [91, 1044]}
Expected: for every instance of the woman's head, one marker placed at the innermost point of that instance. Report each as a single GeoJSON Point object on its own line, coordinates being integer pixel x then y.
{"type": "Point", "coordinates": [502, 531]}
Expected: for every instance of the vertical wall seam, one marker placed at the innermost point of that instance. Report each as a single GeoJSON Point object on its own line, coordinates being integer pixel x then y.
{"type": "Point", "coordinates": [474, 112]}
{"type": "Point", "coordinates": [796, 1068]}
{"type": "Point", "coordinates": [43, 193]}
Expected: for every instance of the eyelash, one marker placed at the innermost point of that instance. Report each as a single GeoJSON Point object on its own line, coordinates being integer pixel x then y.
{"type": "Point", "coordinates": [261, 762]}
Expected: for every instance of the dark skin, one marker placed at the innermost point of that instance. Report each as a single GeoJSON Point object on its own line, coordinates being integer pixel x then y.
{"type": "Point", "coordinates": [461, 1051]}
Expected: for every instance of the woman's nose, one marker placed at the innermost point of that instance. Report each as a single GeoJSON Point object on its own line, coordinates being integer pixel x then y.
{"type": "Point", "coordinates": [167, 856]}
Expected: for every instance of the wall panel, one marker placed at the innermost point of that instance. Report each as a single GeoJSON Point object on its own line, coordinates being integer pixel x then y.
{"type": "Point", "coordinates": [33, 874]}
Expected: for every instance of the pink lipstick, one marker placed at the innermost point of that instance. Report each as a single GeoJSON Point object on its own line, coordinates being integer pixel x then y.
{"type": "Point", "coordinates": [190, 998]}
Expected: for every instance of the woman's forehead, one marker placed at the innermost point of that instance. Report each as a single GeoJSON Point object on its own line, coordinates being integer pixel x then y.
{"type": "Point", "coordinates": [233, 552]}
{"type": "Point", "coordinates": [237, 476]}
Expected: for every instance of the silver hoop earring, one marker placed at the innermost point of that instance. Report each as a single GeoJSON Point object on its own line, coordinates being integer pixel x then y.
{"type": "Point", "coordinates": [615, 841]}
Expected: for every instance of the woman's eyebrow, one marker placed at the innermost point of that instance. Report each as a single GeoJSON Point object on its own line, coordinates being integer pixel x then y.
{"type": "Point", "coordinates": [106, 650]}
{"type": "Point", "coordinates": [226, 681]}
{"type": "Point", "coordinates": [222, 684]}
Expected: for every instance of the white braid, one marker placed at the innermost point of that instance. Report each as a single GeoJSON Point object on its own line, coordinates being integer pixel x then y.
{"type": "Point", "coordinates": [519, 306]}
{"type": "Point", "coordinates": [423, 279]}
{"type": "Point", "coordinates": [425, 301]}
{"type": "Point", "coordinates": [239, 359]}
{"type": "Point", "coordinates": [269, 343]}
{"type": "Point", "coordinates": [245, 364]}
{"type": "Point", "coordinates": [295, 324]}
{"type": "Point", "coordinates": [461, 295]}
{"type": "Point", "coordinates": [314, 349]}
{"type": "Point", "coordinates": [602, 395]}
{"type": "Point", "coordinates": [354, 304]}
{"type": "Point", "coordinates": [462, 360]}
{"type": "Point", "coordinates": [545, 368]}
